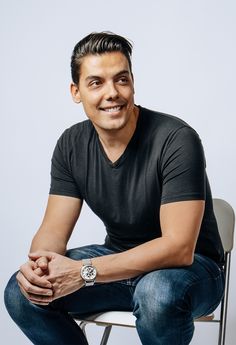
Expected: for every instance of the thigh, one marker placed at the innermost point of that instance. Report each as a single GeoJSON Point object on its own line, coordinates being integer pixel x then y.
{"type": "Point", "coordinates": [207, 288]}
{"type": "Point", "coordinates": [97, 298]}
{"type": "Point", "coordinates": [197, 288]}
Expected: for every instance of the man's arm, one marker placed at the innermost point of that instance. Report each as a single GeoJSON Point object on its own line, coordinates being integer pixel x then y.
{"type": "Point", "coordinates": [180, 224]}
{"type": "Point", "coordinates": [58, 223]}
{"type": "Point", "coordinates": [59, 220]}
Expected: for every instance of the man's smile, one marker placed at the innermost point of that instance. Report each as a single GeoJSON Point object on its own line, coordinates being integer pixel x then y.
{"type": "Point", "coordinates": [112, 109]}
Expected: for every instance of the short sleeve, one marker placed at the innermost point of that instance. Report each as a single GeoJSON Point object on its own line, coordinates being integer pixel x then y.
{"type": "Point", "coordinates": [183, 167]}
{"type": "Point", "coordinates": [62, 181]}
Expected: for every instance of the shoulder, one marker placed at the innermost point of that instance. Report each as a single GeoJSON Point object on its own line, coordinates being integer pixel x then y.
{"type": "Point", "coordinates": [165, 127]}
{"type": "Point", "coordinates": [161, 120]}
{"type": "Point", "coordinates": [80, 128]}
{"type": "Point", "coordinates": [77, 132]}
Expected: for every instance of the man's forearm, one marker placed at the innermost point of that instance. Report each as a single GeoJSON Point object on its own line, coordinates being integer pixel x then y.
{"type": "Point", "coordinates": [48, 242]}
{"type": "Point", "coordinates": [58, 223]}
{"type": "Point", "coordinates": [156, 254]}
{"type": "Point", "coordinates": [180, 225]}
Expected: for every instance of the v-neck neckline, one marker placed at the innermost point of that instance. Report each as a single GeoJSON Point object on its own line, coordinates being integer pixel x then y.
{"type": "Point", "coordinates": [122, 157]}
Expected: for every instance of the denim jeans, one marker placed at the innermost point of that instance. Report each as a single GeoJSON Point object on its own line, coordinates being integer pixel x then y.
{"type": "Point", "coordinates": [165, 303]}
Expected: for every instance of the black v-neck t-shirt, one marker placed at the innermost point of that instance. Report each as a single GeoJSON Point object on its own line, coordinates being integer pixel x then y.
{"type": "Point", "coordinates": [163, 162]}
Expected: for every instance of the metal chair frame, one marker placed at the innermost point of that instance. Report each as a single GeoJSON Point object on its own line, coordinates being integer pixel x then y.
{"type": "Point", "coordinates": [225, 219]}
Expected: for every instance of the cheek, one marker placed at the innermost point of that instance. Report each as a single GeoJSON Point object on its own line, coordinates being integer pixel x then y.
{"type": "Point", "coordinates": [94, 99]}
{"type": "Point", "coordinates": [91, 107]}
{"type": "Point", "coordinates": [130, 96]}
{"type": "Point", "coordinates": [126, 95]}
{"type": "Point", "coordinates": [129, 92]}
{"type": "Point", "coordinates": [90, 102]}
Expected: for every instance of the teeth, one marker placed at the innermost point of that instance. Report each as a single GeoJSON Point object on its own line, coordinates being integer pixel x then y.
{"type": "Point", "coordinates": [113, 109]}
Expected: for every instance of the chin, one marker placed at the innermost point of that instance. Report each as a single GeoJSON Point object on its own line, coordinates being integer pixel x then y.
{"type": "Point", "coordinates": [115, 126]}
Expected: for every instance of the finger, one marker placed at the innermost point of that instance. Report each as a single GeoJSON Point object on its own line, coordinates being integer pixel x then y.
{"type": "Point", "coordinates": [40, 299]}
{"type": "Point", "coordinates": [33, 264]}
{"type": "Point", "coordinates": [39, 272]}
{"type": "Point", "coordinates": [33, 278]}
{"type": "Point", "coordinates": [42, 262]}
{"type": "Point", "coordinates": [40, 303]}
{"type": "Point", "coordinates": [22, 291]}
{"type": "Point", "coordinates": [28, 288]}
{"type": "Point", "coordinates": [36, 299]}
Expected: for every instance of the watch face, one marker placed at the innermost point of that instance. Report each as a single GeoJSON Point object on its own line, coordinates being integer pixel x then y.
{"type": "Point", "coordinates": [88, 273]}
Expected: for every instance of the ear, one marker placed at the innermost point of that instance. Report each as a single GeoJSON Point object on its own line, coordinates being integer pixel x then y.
{"type": "Point", "coordinates": [133, 82]}
{"type": "Point", "coordinates": [74, 90]}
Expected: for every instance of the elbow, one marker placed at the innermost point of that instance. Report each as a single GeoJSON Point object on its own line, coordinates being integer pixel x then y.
{"type": "Point", "coordinates": [185, 257]}
{"type": "Point", "coordinates": [187, 260]}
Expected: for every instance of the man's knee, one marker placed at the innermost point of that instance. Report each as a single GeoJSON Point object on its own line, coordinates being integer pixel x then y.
{"type": "Point", "coordinates": [14, 299]}
{"type": "Point", "coordinates": [162, 309]}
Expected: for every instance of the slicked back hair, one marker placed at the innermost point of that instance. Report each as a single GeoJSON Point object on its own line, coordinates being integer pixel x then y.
{"type": "Point", "coordinates": [98, 43]}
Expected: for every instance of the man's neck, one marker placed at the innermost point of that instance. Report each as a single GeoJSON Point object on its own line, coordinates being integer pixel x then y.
{"type": "Point", "coordinates": [114, 142]}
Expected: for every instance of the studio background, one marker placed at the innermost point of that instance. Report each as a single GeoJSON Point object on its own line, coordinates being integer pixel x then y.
{"type": "Point", "coordinates": [184, 64]}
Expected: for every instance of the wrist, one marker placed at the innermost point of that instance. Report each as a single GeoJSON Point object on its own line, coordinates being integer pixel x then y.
{"type": "Point", "coordinates": [88, 272]}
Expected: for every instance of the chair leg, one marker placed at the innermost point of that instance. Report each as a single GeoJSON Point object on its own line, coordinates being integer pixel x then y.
{"type": "Point", "coordinates": [221, 339]}
{"type": "Point", "coordinates": [106, 335]}
{"type": "Point", "coordinates": [82, 326]}
{"type": "Point", "coordinates": [224, 303]}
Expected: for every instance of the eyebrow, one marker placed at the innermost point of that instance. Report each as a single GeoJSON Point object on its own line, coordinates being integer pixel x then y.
{"type": "Point", "coordinates": [90, 77]}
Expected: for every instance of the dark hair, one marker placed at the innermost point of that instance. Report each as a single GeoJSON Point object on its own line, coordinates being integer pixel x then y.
{"type": "Point", "coordinates": [98, 43]}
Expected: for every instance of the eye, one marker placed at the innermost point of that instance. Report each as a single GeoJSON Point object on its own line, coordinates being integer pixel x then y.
{"type": "Point", "coordinates": [95, 83]}
{"type": "Point", "coordinates": [123, 80]}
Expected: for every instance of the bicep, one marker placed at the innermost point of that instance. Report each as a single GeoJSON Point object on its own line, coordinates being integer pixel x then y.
{"type": "Point", "coordinates": [60, 216]}
{"type": "Point", "coordinates": [183, 168]}
{"type": "Point", "coordinates": [181, 221]}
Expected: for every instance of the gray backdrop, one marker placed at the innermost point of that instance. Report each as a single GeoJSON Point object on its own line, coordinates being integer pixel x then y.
{"type": "Point", "coordinates": [184, 64]}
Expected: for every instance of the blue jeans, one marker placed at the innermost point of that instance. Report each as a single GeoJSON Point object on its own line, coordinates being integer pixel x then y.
{"type": "Point", "coordinates": [165, 303]}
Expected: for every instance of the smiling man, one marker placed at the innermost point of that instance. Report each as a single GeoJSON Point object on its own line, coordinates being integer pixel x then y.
{"type": "Point", "coordinates": [143, 173]}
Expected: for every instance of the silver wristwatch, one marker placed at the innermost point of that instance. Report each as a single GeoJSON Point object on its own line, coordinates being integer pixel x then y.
{"type": "Point", "coordinates": [88, 272]}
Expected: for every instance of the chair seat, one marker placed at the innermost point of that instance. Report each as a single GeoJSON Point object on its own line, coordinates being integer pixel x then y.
{"type": "Point", "coordinates": [124, 318]}
{"type": "Point", "coordinates": [117, 318]}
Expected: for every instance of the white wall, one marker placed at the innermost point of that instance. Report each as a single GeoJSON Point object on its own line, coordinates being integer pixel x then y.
{"type": "Point", "coordinates": [184, 64]}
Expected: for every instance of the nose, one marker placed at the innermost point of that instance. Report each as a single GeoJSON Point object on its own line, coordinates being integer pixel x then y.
{"type": "Point", "coordinates": [111, 91]}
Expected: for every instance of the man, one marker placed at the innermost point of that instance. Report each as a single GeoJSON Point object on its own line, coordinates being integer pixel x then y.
{"type": "Point", "coordinates": [143, 173]}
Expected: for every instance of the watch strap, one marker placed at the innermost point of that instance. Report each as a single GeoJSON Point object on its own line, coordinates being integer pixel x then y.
{"type": "Point", "coordinates": [88, 262]}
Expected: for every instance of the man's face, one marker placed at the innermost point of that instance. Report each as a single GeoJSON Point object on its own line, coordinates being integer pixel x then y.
{"type": "Point", "coordinates": [106, 90]}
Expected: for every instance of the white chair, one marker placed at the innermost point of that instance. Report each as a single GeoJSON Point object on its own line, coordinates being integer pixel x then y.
{"type": "Point", "coordinates": [225, 219]}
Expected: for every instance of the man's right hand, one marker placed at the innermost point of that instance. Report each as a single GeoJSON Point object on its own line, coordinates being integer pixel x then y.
{"type": "Point", "coordinates": [32, 282]}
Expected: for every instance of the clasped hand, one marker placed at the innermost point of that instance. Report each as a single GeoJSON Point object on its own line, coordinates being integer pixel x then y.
{"type": "Point", "coordinates": [48, 276]}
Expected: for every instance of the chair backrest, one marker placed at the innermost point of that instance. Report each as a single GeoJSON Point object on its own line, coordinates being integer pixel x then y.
{"type": "Point", "coordinates": [225, 220]}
